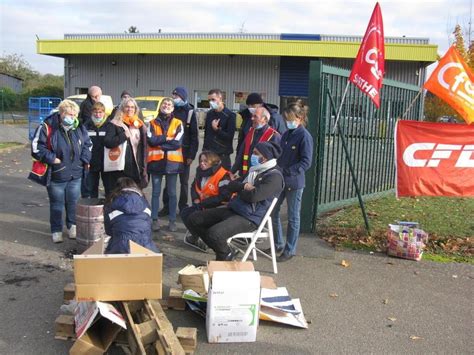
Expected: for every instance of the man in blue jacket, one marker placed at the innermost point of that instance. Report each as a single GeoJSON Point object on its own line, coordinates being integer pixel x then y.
{"type": "Point", "coordinates": [219, 128]}
{"type": "Point", "coordinates": [246, 210]}
{"type": "Point", "coordinates": [185, 112]}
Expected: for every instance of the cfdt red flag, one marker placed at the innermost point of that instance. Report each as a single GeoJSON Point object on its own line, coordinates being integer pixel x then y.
{"type": "Point", "coordinates": [369, 66]}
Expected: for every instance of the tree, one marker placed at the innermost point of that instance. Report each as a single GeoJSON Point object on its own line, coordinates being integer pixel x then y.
{"type": "Point", "coordinates": [132, 29]}
{"type": "Point", "coordinates": [459, 41]}
{"type": "Point", "coordinates": [470, 56]}
{"type": "Point", "coordinates": [16, 65]}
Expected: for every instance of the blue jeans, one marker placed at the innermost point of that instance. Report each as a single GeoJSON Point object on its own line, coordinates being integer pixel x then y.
{"type": "Point", "coordinates": [63, 194]}
{"type": "Point", "coordinates": [293, 200]}
{"type": "Point", "coordinates": [156, 191]}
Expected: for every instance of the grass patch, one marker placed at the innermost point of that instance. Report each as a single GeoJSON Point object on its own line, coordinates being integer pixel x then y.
{"type": "Point", "coordinates": [9, 145]}
{"type": "Point", "coordinates": [448, 221]}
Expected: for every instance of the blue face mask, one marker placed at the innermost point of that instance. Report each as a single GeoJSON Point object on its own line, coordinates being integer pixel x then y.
{"type": "Point", "coordinates": [178, 102]}
{"type": "Point", "coordinates": [291, 124]}
{"type": "Point", "coordinates": [68, 121]}
{"type": "Point", "coordinates": [214, 105]}
{"type": "Point", "coordinates": [254, 160]}
{"type": "Point", "coordinates": [260, 126]}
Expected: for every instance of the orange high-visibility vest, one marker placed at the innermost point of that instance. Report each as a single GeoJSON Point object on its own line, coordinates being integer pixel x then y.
{"type": "Point", "coordinates": [265, 137]}
{"type": "Point", "coordinates": [211, 188]}
{"type": "Point", "coordinates": [156, 153]}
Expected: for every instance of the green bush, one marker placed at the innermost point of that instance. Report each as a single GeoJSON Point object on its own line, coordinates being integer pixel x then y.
{"type": "Point", "coordinates": [7, 98]}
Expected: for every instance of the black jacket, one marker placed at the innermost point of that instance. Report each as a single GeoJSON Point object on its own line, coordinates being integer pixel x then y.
{"type": "Point", "coordinates": [191, 133]}
{"type": "Point", "coordinates": [85, 112]}
{"type": "Point", "coordinates": [97, 136]}
{"type": "Point", "coordinates": [220, 141]}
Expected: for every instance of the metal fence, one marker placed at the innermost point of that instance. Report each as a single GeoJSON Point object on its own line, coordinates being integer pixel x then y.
{"type": "Point", "coordinates": [368, 132]}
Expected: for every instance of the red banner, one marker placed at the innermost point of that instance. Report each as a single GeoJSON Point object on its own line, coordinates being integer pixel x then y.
{"type": "Point", "coordinates": [369, 66]}
{"type": "Point", "coordinates": [453, 82]}
{"type": "Point", "coordinates": [434, 159]}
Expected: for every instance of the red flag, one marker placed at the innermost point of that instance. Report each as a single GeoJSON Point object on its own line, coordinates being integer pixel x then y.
{"type": "Point", "coordinates": [369, 66]}
{"type": "Point", "coordinates": [434, 159]}
{"type": "Point", "coordinates": [453, 82]}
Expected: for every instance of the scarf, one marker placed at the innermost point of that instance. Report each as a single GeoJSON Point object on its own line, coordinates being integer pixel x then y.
{"type": "Point", "coordinates": [258, 169]}
{"type": "Point", "coordinates": [132, 121]}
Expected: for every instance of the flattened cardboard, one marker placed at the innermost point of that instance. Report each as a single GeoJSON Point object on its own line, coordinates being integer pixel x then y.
{"type": "Point", "coordinates": [213, 266]}
{"type": "Point", "coordinates": [118, 277]}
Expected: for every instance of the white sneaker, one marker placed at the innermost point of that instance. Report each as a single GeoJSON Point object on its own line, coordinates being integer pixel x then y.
{"type": "Point", "coordinates": [57, 237]}
{"type": "Point", "coordinates": [72, 232]}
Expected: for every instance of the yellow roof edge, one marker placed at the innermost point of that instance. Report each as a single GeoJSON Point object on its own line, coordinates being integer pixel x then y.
{"type": "Point", "coordinates": [296, 48]}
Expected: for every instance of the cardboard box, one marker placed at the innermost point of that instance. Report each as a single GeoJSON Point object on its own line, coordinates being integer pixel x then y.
{"type": "Point", "coordinates": [97, 325]}
{"type": "Point", "coordinates": [233, 306]}
{"type": "Point", "coordinates": [213, 266]}
{"type": "Point", "coordinates": [118, 277]}
{"type": "Point", "coordinates": [194, 278]}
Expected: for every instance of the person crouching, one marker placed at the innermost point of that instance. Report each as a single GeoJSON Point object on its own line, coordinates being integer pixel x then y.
{"type": "Point", "coordinates": [127, 216]}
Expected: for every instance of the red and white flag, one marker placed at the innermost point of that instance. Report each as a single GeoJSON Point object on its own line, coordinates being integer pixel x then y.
{"type": "Point", "coordinates": [434, 159]}
{"type": "Point", "coordinates": [369, 66]}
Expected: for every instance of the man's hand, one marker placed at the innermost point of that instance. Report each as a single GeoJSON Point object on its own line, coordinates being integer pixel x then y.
{"type": "Point", "coordinates": [57, 161]}
{"type": "Point", "coordinates": [234, 176]}
{"type": "Point", "coordinates": [189, 161]}
{"type": "Point", "coordinates": [248, 187]}
{"type": "Point", "coordinates": [215, 124]}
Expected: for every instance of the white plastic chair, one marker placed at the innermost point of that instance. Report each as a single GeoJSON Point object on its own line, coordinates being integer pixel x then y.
{"type": "Point", "coordinates": [265, 230]}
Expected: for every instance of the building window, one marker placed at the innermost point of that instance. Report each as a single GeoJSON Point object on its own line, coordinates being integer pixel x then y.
{"type": "Point", "coordinates": [240, 98]}
{"type": "Point", "coordinates": [81, 91]}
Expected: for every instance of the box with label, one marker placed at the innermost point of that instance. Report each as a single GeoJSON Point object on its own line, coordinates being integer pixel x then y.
{"type": "Point", "coordinates": [233, 307]}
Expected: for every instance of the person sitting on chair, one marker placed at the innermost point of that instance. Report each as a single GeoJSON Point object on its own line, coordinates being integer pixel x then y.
{"type": "Point", "coordinates": [245, 211]}
{"type": "Point", "coordinates": [206, 191]}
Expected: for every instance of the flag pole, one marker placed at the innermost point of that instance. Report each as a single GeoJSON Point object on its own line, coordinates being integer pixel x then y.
{"type": "Point", "coordinates": [412, 102]}
{"type": "Point", "coordinates": [340, 107]}
{"type": "Point", "coordinates": [351, 169]}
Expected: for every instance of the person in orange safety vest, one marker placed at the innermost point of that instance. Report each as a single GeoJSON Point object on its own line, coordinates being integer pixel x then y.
{"type": "Point", "coordinates": [206, 191]}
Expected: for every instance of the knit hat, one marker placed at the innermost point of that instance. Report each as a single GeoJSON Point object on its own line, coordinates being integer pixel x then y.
{"type": "Point", "coordinates": [253, 99]}
{"type": "Point", "coordinates": [269, 150]}
{"type": "Point", "coordinates": [125, 92]}
{"type": "Point", "coordinates": [181, 92]}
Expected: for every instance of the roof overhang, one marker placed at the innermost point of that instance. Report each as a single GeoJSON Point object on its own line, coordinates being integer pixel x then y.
{"type": "Point", "coordinates": [298, 48]}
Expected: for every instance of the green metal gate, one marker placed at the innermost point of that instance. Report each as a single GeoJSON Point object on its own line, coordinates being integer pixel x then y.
{"type": "Point", "coordinates": [368, 132]}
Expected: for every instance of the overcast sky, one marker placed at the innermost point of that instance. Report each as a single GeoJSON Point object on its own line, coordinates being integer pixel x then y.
{"type": "Point", "coordinates": [22, 20]}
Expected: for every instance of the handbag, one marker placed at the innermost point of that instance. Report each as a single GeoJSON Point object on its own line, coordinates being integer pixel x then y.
{"type": "Point", "coordinates": [41, 172]}
{"type": "Point", "coordinates": [114, 158]}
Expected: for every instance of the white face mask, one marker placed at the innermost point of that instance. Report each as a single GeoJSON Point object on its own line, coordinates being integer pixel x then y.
{"type": "Point", "coordinates": [214, 105]}
{"type": "Point", "coordinates": [252, 110]}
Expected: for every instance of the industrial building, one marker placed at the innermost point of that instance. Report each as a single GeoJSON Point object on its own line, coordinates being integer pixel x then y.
{"type": "Point", "coordinates": [275, 65]}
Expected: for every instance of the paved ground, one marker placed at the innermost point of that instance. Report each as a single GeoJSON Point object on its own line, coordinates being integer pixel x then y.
{"type": "Point", "coordinates": [349, 308]}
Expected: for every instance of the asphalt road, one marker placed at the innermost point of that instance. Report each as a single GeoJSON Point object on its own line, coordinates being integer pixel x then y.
{"type": "Point", "coordinates": [376, 305]}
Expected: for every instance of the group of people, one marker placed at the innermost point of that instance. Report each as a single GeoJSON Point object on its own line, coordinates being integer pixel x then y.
{"type": "Point", "coordinates": [273, 153]}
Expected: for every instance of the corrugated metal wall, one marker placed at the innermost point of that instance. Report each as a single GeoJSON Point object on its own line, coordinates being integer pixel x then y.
{"type": "Point", "coordinates": [11, 82]}
{"type": "Point", "coordinates": [142, 73]}
{"type": "Point", "coordinates": [294, 73]}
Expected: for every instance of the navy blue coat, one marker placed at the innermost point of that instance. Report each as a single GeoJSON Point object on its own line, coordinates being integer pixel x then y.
{"type": "Point", "coordinates": [191, 133]}
{"type": "Point", "coordinates": [127, 218]}
{"type": "Point", "coordinates": [96, 135]}
{"type": "Point", "coordinates": [73, 148]}
{"type": "Point", "coordinates": [220, 141]}
{"type": "Point", "coordinates": [296, 157]}
{"type": "Point", "coordinates": [254, 204]}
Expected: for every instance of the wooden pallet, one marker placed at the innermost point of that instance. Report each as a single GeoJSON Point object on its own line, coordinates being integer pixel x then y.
{"type": "Point", "coordinates": [149, 331]}
{"type": "Point", "coordinates": [174, 301]}
{"type": "Point", "coordinates": [69, 292]}
{"type": "Point", "coordinates": [64, 327]}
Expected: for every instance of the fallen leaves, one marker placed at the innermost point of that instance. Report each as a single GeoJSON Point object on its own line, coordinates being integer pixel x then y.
{"type": "Point", "coordinates": [345, 263]}
{"type": "Point", "coordinates": [168, 238]}
{"type": "Point", "coordinates": [414, 337]}
{"type": "Point", "coordinates": [385, 301]}
{"type": "Point", "coordinates": [392, 319]}
{"type": "Point", "coordinates": [333, 295]}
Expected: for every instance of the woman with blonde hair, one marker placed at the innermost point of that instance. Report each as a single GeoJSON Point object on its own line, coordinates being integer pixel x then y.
{"type": "Point", "coordinates": [64, 144]}
{"type": "Point", "coordinates": [126, 127]}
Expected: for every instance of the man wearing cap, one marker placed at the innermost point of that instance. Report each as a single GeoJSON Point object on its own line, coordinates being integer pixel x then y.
{"type": "Point", "coordinates": [259, 132]}
{"type": "Point", "coordinates": [245, 211]}
{"type": "Point", "coordinates": [253, 101]}
{"type": "Point", "coordinates": [123, 96]}
{"type": "Point", "coordinates": [93, 95]}
{"type": "Point", "coordinates": [219, 128]}
{"type": "Point", "coordinates": [185, 112]}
